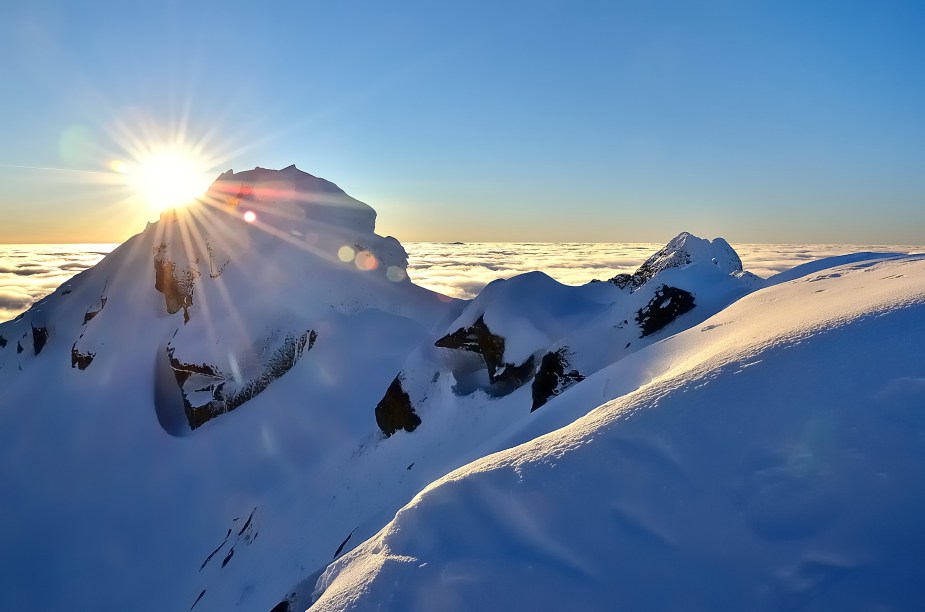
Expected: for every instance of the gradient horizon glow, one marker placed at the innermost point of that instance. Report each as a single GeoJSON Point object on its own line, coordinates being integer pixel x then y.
{"type": "Point", "coordinates": [29, 272]}
{"type": "Point", "coordinates": [787, 122]}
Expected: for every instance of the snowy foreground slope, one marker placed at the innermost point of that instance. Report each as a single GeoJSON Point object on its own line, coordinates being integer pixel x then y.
{"type": "Point", "coordinates": [251, 388]}
{"type": "Point", "coordinates": [771, 457]}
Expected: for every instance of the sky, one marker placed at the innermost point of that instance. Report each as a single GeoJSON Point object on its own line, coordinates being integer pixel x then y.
{"type": "Point", "coordinates": [761, 121]}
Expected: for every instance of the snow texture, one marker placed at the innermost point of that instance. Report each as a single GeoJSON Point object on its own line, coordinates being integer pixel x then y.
{"type": "Point", "coordinates": [768, 459]}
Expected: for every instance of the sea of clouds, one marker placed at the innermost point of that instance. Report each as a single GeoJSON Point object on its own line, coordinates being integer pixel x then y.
{"type": "Point", "coordinates": [461, 270]}
{"type": "Point", "coordinates": [30, 272]}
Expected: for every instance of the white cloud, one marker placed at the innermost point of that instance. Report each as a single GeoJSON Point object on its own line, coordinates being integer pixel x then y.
{"type": "Point", "coordinates": [30, 272]}
{"type": "Point", "coordinates": [461, 270]}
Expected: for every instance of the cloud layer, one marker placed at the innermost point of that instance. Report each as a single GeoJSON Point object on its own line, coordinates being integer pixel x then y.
{"type": "Point", "coordinates": [461, 270]}
{"type": "Point", "coordinates": [30, 272]}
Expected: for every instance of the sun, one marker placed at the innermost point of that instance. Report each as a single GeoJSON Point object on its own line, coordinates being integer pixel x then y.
{"type": "Point", "coordinates": [165, 176]}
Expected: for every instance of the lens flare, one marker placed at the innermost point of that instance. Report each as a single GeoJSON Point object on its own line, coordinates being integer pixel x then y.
{"type": "Point", "coordinates": [366, 261]}
{"type": "Point", "coordinates": [395, 274]}
{"type": "Point", "coordinates": [250, 216]}
{"type": "Point", "coordinates": [346, 253]}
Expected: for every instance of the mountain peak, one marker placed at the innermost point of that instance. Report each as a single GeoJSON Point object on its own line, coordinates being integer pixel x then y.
{"type": "Point", "coordinates": [682, 250]}
{"type": "Point", "coordinates": [290, 195]}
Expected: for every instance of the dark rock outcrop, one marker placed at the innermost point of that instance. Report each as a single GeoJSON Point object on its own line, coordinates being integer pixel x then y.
{"type": "Point", "coordinates": [668, 304]}
{"type": "Point", "coordinates": [624, 280]}
{"type": "Point", "coordinates": [2, 341]}
{"type": "Point", "coordinates": [39, 338]}
{"type": "Point", "coordinates": [477, 339]}
{"type": "Point", "coordinates": [88, 316]}
{"type": "Point", "coordinates": [505, 377]}
{"type": "Point", "coordinates": [177, 286]}
{"type": "Point", "coordinates": [19, 348]}
{"type": "Point", "coordinates": [208, 381]}
{"type": "Point", "coordinates": [662, 260]}
{"type": "Point", "coordinates": [394, 411]}
{"type": "Point", "coordinates": [80, 360]}
{"type": "Point", "coordinates": [552, 377]}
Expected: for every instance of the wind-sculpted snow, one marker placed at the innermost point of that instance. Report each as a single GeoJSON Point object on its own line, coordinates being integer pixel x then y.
{"type": "Point", "coordinates": [769, 458]}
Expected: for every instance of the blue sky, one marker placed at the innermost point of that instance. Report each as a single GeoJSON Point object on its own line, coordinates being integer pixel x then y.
{"type": "Point", "coordinates": [777, 121]}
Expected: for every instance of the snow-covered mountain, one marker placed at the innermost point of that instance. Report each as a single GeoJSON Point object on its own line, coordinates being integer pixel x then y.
{"type": "Point", "coordinates": [206, 376]}
{"type": "Point", "coordinates": [770, 458]}
{"type": "Point", "coordinates": [252, 387]}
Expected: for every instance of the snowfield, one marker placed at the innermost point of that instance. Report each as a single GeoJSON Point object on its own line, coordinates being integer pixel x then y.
{"type": "Point", "coordinates": [237, 414]}
{"type": "Point", "coordinates": [770, 458]}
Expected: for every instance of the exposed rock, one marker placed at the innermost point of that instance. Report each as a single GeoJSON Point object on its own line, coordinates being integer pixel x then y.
{"type": "Point", "coordinates": [2, 341]}
{"type": "Point", "coordinates": [623, 280]}
{"type": "Point", "coordinates": [19, 348]}
{"type": "Point", "coordinates": [552, 378]}
{"type": "Point", "coordinates": [513, 377]}
{"type": "Point", "coordinates": [282, 606]}
{"type": "Point", "coordinates": [668, 304]}
{"type": "Point", "coordinates": [177, 287]}
{"type": "Point", "coordinates": [88, 316]}
{"type": "Point", "coordinates": [344, 543]}
{"type": "Point", "coordinates": [80, 360]}
{"type": "Point", "coordinates": [207, 379]}
{"type": "Point", "coordinates": [39, 338]}
{"type": "Point", "coordinates": [479, 339]}
{"type": "Point", "coordinates": [394, 411]}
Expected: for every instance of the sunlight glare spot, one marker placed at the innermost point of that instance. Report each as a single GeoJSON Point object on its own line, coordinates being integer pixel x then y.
{"type": "Point", "coordinates": [250, 216]}
{"type": "Point", "coordinates": [165, 176]}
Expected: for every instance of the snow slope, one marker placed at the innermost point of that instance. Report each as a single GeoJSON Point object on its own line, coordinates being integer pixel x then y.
{"type": "Point", "coordinates": [168, 418]}
{"type": "Point", "coordinates": [252, 387]}
{"type": "Point", "coordinates": [768, 458]}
